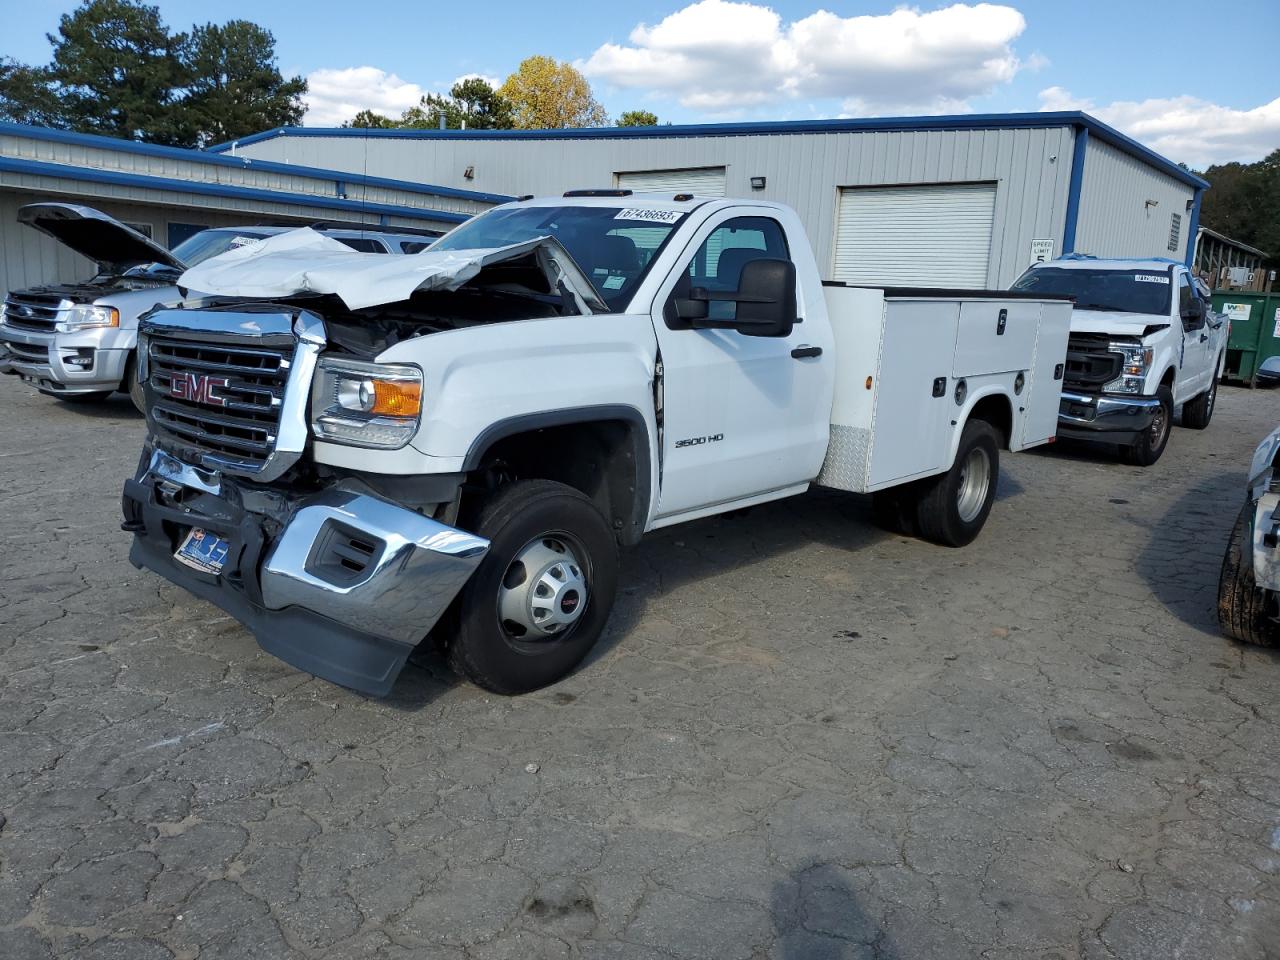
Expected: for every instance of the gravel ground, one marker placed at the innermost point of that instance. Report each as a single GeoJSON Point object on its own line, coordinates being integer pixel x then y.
{"type": "Point", "coordinates": [801, 738]}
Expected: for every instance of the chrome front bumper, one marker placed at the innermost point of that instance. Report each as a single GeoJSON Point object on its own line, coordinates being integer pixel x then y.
{"type": "Point", "coordinates": [45, 360]}
{"type": "Point", "coordinates": [1106, 417]}
{"type": "Point", "coordinates": [346, 590]}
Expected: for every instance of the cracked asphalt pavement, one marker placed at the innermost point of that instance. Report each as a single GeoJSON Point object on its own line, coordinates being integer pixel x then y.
{"type": "Point", "coordinates": [801, 738]}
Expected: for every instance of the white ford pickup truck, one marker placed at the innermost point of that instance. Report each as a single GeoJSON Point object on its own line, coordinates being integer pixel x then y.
{"type": "Point", "coordinates": [349, 453]}
{"type": "Point", "coordinates": [1144, 341]}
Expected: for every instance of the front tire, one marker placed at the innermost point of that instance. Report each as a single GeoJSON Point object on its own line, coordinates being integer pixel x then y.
{"type": "Point", "coordinates": [1147, 449]}
{"type": "Point", "coordinates": [1241, 604]}
{"type": "Point", "coordinates": [954, 506]}
{"type": "Point", "coordinates": [541, 597]}
{"type": "Point", "coordinates": [1197, 412]}
{"type": "Point", "coordinates": [133, 385]}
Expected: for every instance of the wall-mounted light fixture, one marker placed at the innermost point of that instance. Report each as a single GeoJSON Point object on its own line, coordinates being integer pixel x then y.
{"type": "Point", "coordinates": [469, 173]}
{"type": "Point", "coordinates": [758, 183]}
{"type": "Point", "coordinates": [1152, 203]}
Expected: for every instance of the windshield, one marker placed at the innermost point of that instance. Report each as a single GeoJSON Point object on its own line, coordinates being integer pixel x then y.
{"type": "Point", "coordinates": [1116, 291]}
{"type": "Point", "coordinates": [613, 246]}
{"type": "Point", "coordinates": [198, 247]}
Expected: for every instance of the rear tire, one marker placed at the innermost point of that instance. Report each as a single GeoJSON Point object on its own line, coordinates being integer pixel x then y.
{"type": "Point", "coordinates": [133, 385]}
{"type": "Point", "coordinates": [1147, 449]}
{"type": "Point", "coordinates": [1241, 604]}
{"type": "Point", "coordinates": [1197, 412]}
{"type": "Point", "coordinates": [954, 506]}
{"type": "Point", "coordinates": [496, 641]}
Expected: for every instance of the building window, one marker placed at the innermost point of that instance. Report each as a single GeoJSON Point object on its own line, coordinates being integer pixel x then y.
{"type": "Point", "coordinates": [1175, 230]}
{"type": "Point", "coordinates": [142, 228]}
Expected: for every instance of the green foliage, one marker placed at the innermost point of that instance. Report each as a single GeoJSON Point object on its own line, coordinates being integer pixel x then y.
{"type": "Point", "coordinates": [1244, 202]}
{"type": "Point", "coordinates": [471, 103]}
{"type": "Point", "coordinates": [233, 86]}
{"type": "Point", "coordinates": [369, 119]}
{"type": "Point", "coordinates": [117, 70]}
{"type": "Point", "coordinates": [638, 118]}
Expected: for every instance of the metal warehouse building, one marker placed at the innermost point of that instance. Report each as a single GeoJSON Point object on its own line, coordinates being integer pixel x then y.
{"type": "Point", "coordinates": [964, 201]}
{"type": "Point", "coordinates": [170, 193]}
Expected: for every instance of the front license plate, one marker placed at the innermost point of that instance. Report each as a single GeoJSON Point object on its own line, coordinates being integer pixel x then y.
{"type": "Point", "coordinates": [203, 551]}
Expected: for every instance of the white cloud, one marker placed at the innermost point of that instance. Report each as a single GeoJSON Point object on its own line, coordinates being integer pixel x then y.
{"type": "Point", "coordinates": [1185, 129]}
{"type": "Point", "coordinates": [492, 81]}
{"type": "Point", "coordinates": [723, 55]}
{"type": "Point", "coordinates": [337, 95]}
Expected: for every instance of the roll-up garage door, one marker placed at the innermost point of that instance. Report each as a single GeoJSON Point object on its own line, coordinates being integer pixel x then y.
{"type": "Point", "coordinates": [934, 235]}
{"type": "Point", "coordinates": [703, 181]}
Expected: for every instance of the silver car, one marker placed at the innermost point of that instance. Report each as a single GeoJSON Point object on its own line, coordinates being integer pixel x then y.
{"type": "Point", "coordinates": [76, 341]}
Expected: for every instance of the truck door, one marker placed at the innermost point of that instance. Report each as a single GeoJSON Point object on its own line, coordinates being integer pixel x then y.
{"type": "Point", "coordinates": [743, 415]}
{"type": "Point", "coordinates": [1193, 375]}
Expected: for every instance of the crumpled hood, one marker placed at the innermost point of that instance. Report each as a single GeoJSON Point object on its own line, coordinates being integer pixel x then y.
{"type": "Point", "coordinates": [1117, 324]}
{"type": "Point", "coordinates": [303, 261]}
{"type": "Point", "coordinates": [91, 233]}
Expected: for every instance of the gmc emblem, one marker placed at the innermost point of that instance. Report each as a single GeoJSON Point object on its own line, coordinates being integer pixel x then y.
{"type": "Point", "coordinates": [198, 388]}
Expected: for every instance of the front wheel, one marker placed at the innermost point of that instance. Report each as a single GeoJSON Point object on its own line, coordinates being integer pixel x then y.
{"type": "Point", "coordinates": [1197, 412]}
{"type": "Point", "coordinates": [1150, 444]}
{"type": "Point", "coordinates": [541, 597]}
{"type": "Point", "coordinates": [954, 506]}
{"type": "Point", "coordinates": [1241, 604]}
{"type": "Point", "coordinates": [133, 385]}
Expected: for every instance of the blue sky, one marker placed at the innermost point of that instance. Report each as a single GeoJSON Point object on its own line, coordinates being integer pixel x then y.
{"type": "Point", "coordinates": [1157, 71]}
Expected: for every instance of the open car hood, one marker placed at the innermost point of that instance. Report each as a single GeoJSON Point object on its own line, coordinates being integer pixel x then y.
{"type": "Point", "coordinates": [303, 261]}
{"type": "Point", "coordinates": [93, 234]}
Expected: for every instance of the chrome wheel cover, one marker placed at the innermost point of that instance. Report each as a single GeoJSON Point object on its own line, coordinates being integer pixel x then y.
{"type": "Point", "coordinates": [1159, 427]}
{"type": "Point", "coordinates": [975, 481]}
{"type": "Point", "coordinates": [544, 590]}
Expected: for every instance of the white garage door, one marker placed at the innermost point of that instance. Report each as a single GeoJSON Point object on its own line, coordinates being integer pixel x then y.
{"type": "Point", "coordinates": [918, 236]}
{"type": "Point", "coordinates": [703, 181]}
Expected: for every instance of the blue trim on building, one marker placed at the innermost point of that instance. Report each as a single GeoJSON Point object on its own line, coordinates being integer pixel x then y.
{"type": "Point", "coordinates": [241, 163]}
{"type": "Point", "coordinates": [91, 175]}
{"type": "Point", "coordinates": [1193, 230]}
{"type": "Point", "coordinates": [973, 121]}
{"type": "Point", "coordinates": [1072, 216]}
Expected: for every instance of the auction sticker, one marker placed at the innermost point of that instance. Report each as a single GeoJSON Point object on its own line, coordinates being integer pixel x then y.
{"type": "Point", "coordinates": [1151, 278]}
{"type": "Point", "coordinates": [649, 216]}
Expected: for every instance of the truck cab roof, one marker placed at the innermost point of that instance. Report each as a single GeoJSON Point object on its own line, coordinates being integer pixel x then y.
{"type": "Point", "coordinates": [1084, 262]}
{"type": "Point", "coordinates": [643, 201]}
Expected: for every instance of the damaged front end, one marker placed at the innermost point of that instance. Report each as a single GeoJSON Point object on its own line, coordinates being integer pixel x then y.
{"type": "Point", "coordinates": [341, 575]}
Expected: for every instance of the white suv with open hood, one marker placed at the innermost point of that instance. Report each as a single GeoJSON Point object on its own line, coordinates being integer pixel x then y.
{"type": "Point", "coordinates": [77, 341]}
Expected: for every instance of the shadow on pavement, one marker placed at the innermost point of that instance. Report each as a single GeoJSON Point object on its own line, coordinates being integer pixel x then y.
{"type": "Point", "coordinates": [817, 915]}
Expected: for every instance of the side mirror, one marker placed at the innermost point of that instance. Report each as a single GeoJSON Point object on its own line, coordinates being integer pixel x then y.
{"type": "Point", "coordinates": [1193, 317]}
{"type": "Point", "coordinates": [766, 298]}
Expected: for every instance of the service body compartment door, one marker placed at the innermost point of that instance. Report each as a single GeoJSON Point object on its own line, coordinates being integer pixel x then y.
{"type": "Point", "coordinates": [995, 337]}
{"type": "Point", "coordinates": [912, 427]}
{"type": "Point", "coordinates": [1043, 394]}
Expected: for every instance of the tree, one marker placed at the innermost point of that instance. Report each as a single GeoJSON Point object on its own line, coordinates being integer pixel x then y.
{"type": "Point", "coordinates": [471, 103]}
{"type": "Point", "coordinates": [233, 86]}
{"type": "Point", "coordinates": [638, 118]}
{"type": "Point", "coordinates": [1244, 202]}
{"type": "Point", "coordinates": [547, 94]}
{"type": "Point", "coordinates": [117, 70]}
{"type": "Point", "coordinates": [367, 118]}
{"type": "Point", "coordinates": [25, 95]}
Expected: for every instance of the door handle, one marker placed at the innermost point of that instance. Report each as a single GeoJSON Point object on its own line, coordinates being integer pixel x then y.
{"type": "Point", "coordinates": [804, 351]}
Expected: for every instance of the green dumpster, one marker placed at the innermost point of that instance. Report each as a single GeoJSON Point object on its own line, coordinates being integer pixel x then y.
{"type": "Point", "coordinates": [1255, 331]}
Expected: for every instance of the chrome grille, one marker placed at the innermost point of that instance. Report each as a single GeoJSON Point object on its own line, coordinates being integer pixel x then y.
{"type": "Point", "coordinates": [223, 398]}
{"type": "Point", "coordinates": [26, 352]}
{"type": "Point", "coordinates": [33, 311]}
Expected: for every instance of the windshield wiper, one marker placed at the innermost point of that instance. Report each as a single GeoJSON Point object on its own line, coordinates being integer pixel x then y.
{"type": "Point", "coordinates": [1102, 306]}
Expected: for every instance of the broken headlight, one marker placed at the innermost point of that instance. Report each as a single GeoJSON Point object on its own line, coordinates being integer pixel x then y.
{"type": "Point", "coordinates": [363, 404]}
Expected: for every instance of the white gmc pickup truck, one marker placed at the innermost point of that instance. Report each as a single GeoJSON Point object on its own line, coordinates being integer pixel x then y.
{"type": "Point", "coordinates": [349, 453]}
{"type": "Point", "coordinates": [1144, 341]}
